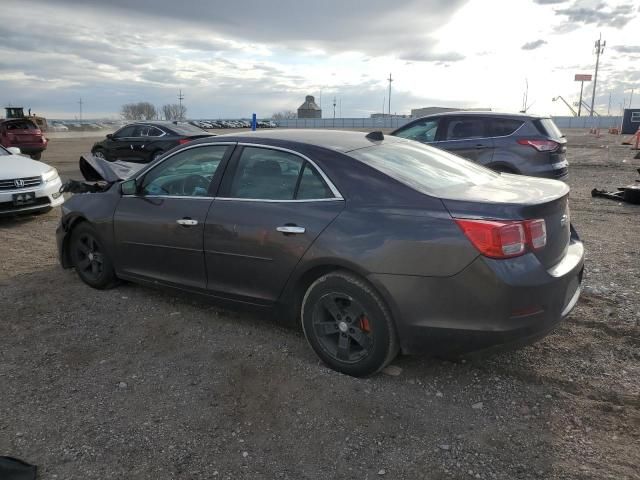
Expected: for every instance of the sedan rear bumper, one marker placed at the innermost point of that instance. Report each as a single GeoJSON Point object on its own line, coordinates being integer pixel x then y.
{"type": "Point", "coordinates": [490, 304]}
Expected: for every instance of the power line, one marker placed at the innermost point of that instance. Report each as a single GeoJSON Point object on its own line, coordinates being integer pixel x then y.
{"type": "Point", "coordinates": [599, 47]}
{"type": "Point", "coordinates": [180, 98]}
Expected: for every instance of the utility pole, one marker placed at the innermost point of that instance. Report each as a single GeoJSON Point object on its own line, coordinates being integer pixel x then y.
{"type": "Point", "coordinates": [599, 46]}
{"type": "Point", "coordinates": [384, 100]}
{"type": "Point", "coordinates": [180, 98]}
{"type": "Point", "coordinates": [390, 80]}
{"type": "Point", "coordinates": [80, 103]}
{"type": "Point", "coordinates": [340, 107]}
{"type": "Point", "coordinates": [334, 111]}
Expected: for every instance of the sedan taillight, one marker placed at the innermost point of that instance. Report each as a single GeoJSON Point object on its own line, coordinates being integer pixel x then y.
{"type": "Point", "coordinates": [540, 145]}
{"type": "Point", "coordinates": [182, 141]}
{"type": "Point", "coordinates": [504, 239]}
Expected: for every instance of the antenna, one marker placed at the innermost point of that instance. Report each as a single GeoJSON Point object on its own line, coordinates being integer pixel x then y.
{"type": "Point", "coordinates": [599, 48]}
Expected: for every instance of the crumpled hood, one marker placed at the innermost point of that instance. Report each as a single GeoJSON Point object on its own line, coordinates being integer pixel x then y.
{"type": "Point", "coordinates": [18, 166]}
{"type": "Point", "coordinates": [96, 169]}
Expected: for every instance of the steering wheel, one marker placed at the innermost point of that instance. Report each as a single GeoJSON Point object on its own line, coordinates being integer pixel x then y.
{"type": "Point", "coordinates": [190, 183]}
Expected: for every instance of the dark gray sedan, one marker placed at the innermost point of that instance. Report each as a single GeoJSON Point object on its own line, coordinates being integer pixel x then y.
{"type": "Point", "coordinates": [376, 244]}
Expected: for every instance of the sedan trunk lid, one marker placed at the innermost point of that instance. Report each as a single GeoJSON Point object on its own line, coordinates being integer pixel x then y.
{"type": "Point", "coordinates": [514, 197]}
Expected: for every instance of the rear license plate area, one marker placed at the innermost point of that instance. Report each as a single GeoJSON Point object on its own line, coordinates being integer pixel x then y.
{"type": "Point", "coordinates": [26, 198]}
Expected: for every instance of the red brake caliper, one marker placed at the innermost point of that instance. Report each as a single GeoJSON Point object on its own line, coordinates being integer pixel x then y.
{"type": "Point", "coordinates": [364, 324]}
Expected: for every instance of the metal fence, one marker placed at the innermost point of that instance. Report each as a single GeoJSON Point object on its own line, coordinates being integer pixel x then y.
{"type": "Point", "coordinates": [392, 122]}
{"type": "Point", "coordinates": [587, 122]}
{"type": "Point", "coordinates": [395, 122]}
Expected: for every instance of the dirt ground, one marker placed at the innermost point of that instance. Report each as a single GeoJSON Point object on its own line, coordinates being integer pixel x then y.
{"type": "Point", "coordinates": [134, 383]}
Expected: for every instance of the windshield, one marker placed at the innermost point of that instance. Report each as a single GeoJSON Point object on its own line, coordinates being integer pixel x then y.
{"type": "Point", "coordinates": [423, 168]}
{"type": "Point", "coordinates": [3, 151]}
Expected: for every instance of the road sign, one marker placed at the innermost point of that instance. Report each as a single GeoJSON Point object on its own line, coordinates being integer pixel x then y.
{"type": "Point", "coordinates": [582, 77]}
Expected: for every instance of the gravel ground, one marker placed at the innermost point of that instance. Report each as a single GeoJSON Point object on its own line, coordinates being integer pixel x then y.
{"type": "Point", "coordinates": [141, 384]}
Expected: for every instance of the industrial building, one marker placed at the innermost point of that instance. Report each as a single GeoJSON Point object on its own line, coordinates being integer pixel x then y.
{"type": "Point", "coordinates": [309, 109]}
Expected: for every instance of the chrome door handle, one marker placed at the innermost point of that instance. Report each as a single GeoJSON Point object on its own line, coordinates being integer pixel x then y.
{"type": "Point", "coordinates": [291, 229]}
{"type": "Point", "coordinates": [187, 222]}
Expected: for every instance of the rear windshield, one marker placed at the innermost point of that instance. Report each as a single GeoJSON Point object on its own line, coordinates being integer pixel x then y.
{"type": "Point", "coordinates": [21, 125]}
{"type": "Point", "coordinates": [546, 127]}
{"type": "Point", "coordinates": [423, 168]}
{"type": "Point", "coordinates": [186, 129]}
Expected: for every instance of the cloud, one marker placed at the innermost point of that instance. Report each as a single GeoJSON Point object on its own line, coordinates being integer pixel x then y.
{"type": "Point", "coordinates": [548, 2]}
{"type": "Point", "coordinates": [627, 48]}
{"type": "Point", "coordinates": [533, 45]}
{"type": "Point", "coordinates": [601, 14]}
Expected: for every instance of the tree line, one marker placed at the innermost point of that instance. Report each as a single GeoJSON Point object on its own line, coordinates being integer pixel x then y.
{"type": "Point", "coordinates": [147, 111]}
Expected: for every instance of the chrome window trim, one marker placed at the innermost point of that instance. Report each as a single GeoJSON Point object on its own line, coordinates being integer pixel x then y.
{"type": "Point", "coordinates": [194, 197]}
{"type": "Point", "coordinates": [480, 138]}
{"type": "Point", "coordinates": [336, 193]}
{"type": "Point", "coordinates": [264, 200]}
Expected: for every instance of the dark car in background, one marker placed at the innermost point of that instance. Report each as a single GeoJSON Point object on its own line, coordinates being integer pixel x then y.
{"type": "Point", "coordinates": [376, 244]}
{"type": "Point", "coordinates": [512, 143]}
{"type": "Point", "coordinates": [143, 142]}
{"type": "Point", "coordinates": [23, 134]}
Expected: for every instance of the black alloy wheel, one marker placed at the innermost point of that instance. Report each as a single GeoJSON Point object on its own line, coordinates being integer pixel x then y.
{"type": "Point", "coordinates": [348, 325]}
{"type": "Point", "coordinates": [90, 259]}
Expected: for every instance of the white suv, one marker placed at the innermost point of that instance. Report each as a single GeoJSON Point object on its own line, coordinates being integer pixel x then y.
{"type": "Point", "coordinates": [27, 186]}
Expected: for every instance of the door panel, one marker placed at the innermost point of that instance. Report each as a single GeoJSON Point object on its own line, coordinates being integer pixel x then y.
{"type": "Point", "coordinates": [152, 244]}
{"type": "Point", "coordinates": [274, 204]}
{"type": "Point", "coordinates": [159, 231]}
{"type": "Point", "coordinates": [247, 257]}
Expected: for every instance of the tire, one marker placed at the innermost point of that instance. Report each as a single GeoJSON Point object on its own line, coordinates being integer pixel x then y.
{"type": "Point", "coordinates": [36, 156]}
{"type": "Point", "coordinates": [503, 169]}
{"type": "Point", "coordinates": [348, 325]}
{"type": "Point", "coordinates": [99, 152]}
{"type": "Point", "coordinates": [90, 258]}
{"type": "Point", "coordinates": [156, 155]}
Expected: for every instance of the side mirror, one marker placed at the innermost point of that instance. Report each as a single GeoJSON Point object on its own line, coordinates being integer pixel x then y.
{"type": "Point", "coordinates": [14, 150]}
{"type": "Point", "coordinates": [109, 136]}
{"type": "Point", "coordinates": [130, 187]}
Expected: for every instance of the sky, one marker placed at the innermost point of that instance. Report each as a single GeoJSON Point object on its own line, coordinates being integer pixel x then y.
{"type": "Point", "coordinates": [233, 58]}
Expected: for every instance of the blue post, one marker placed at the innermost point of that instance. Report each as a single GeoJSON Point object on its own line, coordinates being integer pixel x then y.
{"type": "Point", "coordinates": [253, 122]}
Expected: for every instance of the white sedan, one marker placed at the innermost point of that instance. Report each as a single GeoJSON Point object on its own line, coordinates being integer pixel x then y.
{"type": "Point", "coordinates": [27, 186]}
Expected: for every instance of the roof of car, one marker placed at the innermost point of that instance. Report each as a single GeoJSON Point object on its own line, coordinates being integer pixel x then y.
{"type": "Point", "coordinates": [484, 113]}
{"type": "Point", "coordinates": [338, 140]}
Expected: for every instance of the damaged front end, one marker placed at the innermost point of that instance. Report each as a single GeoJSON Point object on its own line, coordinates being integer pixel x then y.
{"type": "Point", "coordinates": [100, 174]}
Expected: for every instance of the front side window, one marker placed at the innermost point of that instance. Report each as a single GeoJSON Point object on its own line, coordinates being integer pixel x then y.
{"type": "Point", "coordinates": [187, 173]}
{"type": "Point", "coordinates": [421, 131]}
{"type": "Point", "coordinates": [423, 168]}
{"type": "Point", "coordinates": [265, 174]}
{"type": "Point", "coordinates": [464, 128]}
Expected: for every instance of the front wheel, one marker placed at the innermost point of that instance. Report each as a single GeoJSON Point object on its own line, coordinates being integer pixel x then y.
{"type": "Point", "coordinates": [348, 325]}
{"type": "Point", "coordinates": [90, 258]}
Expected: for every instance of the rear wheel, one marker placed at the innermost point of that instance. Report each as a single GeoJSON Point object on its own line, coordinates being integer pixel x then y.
{"type": "Point", "coordinates": [90, 258]}
{"type": "Point", "coordinates": [348, 325]}
{"type": "Point", "coordinates": [36, 156]}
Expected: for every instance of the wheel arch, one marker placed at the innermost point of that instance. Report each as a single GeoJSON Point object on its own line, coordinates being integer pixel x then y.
{"type": "Point", "coordinates": [69, 226]}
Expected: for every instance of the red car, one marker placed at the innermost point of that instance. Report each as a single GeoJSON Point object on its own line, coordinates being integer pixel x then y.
{"type": "Point", "coordinates": [24, 134]}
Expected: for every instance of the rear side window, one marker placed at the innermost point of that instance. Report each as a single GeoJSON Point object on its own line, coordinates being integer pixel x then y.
{"type": "Point", "coordinates": [423, 168]}
{"type": "Point", "coordinates": [501, 127]}
{"type": "Point", "coordinates": [125, 132]}
{"type": "Point", "coordinates": [21, 125]}
{"type": "Point", "coordinates": [546, 127]}
{"type": "Point", "coordinates": [463, 128]}
{"type": "Point", "coordinates": [265, 174]}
